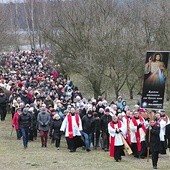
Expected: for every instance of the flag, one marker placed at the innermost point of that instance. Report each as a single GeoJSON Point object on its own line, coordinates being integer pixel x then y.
{"type": "Point", "coordinates": [155, 75]}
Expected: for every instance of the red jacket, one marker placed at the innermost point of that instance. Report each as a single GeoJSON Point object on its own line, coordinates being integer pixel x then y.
{"type": "Point", "coordinates": [15, 120]}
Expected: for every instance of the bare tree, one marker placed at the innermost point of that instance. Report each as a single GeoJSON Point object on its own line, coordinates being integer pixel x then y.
{"type": "Point", "coordinates": [7, 36]}
{"type": "Point", "coordinates": [79, 33]}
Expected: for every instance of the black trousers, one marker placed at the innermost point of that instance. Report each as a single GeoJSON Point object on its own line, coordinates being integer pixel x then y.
{"type": "Point", "coordinates": [57, 142]}
{"type": "Point", "coordinates": [32, 133]}
{"type": "Point", "coordinates": [163, 147]}
{"type": "Point", "coordinates": [3, 112]}
{"type": "Point", "coordinates": [105, 136]}
{"type": "Point", "coordinates": [74, 143]}
{"type": "Point", "coordinates": [95, 139]}
{"type": "Point", "coordinates": [135, 151]}
{"type": "Point", "coordinates": [118, 152]}
{"type": "Point", "coordinates": [19, 134]}
{"type": "Point", "coordinates": [168, 142]}
{"type": "Point", "coordinates": [155, 158]}
{"type": "Point", "coordinates": [71, 143]}
{"type": "Point", "coordinates": [13, 111]}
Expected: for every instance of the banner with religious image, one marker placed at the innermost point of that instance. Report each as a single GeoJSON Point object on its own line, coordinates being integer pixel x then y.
{"type": "Point", "coordinates": [155, 75]}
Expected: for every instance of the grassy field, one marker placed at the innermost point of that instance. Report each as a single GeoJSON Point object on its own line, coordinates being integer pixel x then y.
{"type": "Point", "coordinates": [13, 156]}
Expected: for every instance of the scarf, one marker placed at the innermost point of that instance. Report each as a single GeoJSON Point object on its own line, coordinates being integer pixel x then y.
{"type": "Point", "coordinates": [112, 139]}
{"type": "Point", "coordinates": [137, 133]}
{"type": "Point", "coordinates": [70, 127]}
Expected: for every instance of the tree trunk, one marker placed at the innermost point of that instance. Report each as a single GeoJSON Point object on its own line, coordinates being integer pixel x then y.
{"type": "Point", "coordinates": [32, 22]}
{"type": "Point", "coordinates": [116, 92]}
{"type": "Point", "coordinates": [131, 93]}
{"type": "Point", "coordinates": [96, 89]}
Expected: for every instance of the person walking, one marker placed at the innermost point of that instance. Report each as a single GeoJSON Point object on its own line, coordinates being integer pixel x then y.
{"type": "Point", "coordinates": [153, 141]}
{"type": "Point", "coordinates": [15, 123]}
{"type": "Point", "coordinates": [72, 126]}
{"type": "Point", "coordinates": [116, 129]}
{"type": "Point", "coordinates": [24, 122]}
{"type": "Point", "coordinates": [105, 119]}
{"type": "Point", "coordinates": [55, 132]}
{"type": "Point", "coordinates": [88, 128]}
{"type": "Point", "coordinates": [137, 130]}
{"type": "Point", "coordinates": [3, 104]}
{"type": "Point", "coordinates": [43, 120]}
{"type": "Point", "coordinates": [97, 128]}
{"type": "Point", "coordinates": [162, 123]}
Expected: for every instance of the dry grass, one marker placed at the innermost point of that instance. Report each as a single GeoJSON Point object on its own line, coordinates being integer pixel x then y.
{"type": "Point", "coordinates": [14, 157]}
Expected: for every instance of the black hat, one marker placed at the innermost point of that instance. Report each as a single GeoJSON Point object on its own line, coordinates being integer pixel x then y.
{"type": "Point", "coordinates": [107, 110]}
{"type": "Point", "coordinates": [160, 111]}
{"type": "Point", "coordinates": [89, 112]}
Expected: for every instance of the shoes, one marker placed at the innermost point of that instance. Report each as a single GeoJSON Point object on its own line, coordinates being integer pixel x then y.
{"type": "Point", "coordinates": [117, 160]}
{"type": "Point", "coordinates": [154, 167]}
{"type": "Point", "coordinates": [106, 150]}
{"type": "Point", "coordinates": [142, 157]}
{"type": "Point", "coordinates": [44, 145]}
{"type": "Point", "coordinates": [136, 156]}
{"type": "Point", "coordinates": [58, 148]}
{"type": "Point", "coordinates": [72, 150]}
{"type": "Point", "coordinates": [88, 150]}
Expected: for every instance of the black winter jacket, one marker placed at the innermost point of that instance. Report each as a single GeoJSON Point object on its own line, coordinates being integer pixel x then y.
{"type": "Point", "coordinates": [55, 129]}
{"type": "Point", "coordinates": [3, 100]}
{"type": "Point", "coordinates": [105, 119]}
{"type": "Point", "coordinates": [88, 124]}
{"type": "Point", "coordinates": [154, 144]}
{"type": "Point", "coordinates": [24, 120]}
{"type": "Point", "coordinates": [97, 124]}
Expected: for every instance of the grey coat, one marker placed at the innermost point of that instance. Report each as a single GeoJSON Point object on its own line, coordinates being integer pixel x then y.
{"type": "Point", "coordinates": [43, 119]}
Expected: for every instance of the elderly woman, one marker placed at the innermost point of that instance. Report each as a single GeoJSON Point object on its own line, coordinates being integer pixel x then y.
{"type": "Point", "coordinates": [55, 130]}
{"type": "Point", "coordinates": [43, 120]}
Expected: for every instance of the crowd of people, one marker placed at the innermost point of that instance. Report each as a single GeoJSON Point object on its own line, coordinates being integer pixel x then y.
{"type": "Point", "coordinates": [43, 102]}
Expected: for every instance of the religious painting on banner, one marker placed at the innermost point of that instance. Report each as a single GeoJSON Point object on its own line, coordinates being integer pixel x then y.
{"type": "Point", "coordinates": [155, 74]}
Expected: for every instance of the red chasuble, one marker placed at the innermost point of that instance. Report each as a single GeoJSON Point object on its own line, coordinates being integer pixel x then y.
{"type": "Point", "coordinates": [70, 127]}
{"type": "Point", "coordinates": [137, 134]}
